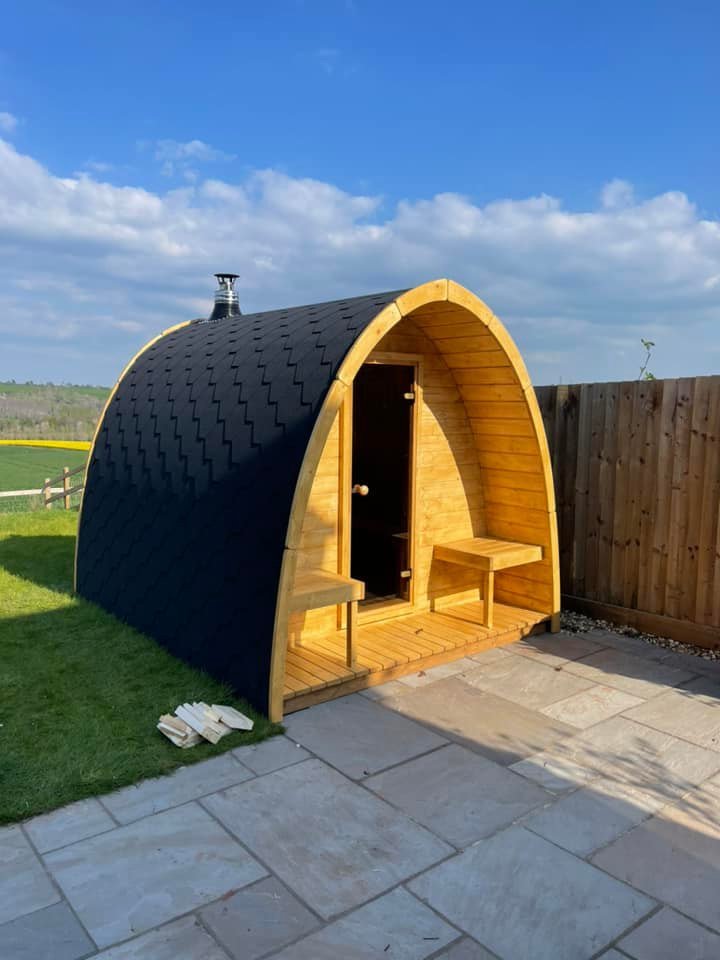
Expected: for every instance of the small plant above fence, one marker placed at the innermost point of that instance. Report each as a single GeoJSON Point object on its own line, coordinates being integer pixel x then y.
{"type": "Point", "coordinates": [67, 491]}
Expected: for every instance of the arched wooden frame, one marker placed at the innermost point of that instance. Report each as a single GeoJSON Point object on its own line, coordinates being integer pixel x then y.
{"type": "Point", "coordinates": [482, 323]}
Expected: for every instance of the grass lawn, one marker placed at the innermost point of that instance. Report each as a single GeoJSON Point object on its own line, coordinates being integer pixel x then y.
{"type": "Point", "coordinates": [80, 693]}
{"type": "Point", "coordinates": [25, 468]}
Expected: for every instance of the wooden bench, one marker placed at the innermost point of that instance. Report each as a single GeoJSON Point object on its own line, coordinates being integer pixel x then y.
{"type": "Point", "coordinates": [319, 588]}
{"type": "Point", "coordinates": [487, 556]}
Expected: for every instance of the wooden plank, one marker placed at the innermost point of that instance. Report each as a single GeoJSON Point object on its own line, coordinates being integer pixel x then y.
{"type": "Point", "coordinates": [502, 427]}
{"type": "Point", "coordinates": [477, 376]}
{"type": "Point", "coordinates": [699, 422]}
{"type": "Point", "coordinates": [661, 527]}
{"type": "Point", "coordinates": [679, 501]}
{"type": "Point", "coordinates": [320, 588]}
{"type": "Point", "coordinates": [622, 426]}
{"type": "Point", "coordinates": [498, 410]}
{"type": "Point", "coordinates": [511, 480]}
{"type": "Point", "coordinates": [649, 490]}
{"type": "Point", "coordinates": [484, 553]}
{"type": "Point", "coordinates": [582, 488]}
{"type": "Point", "coordinates": [597, 425]}
{"type": "Point", "coordinates": [511, 462]}
{"type": "Point", "coordinates": [709, 555]}
{"type": "Point", "coordinates": [467, 345]}
{"type": "Point", "coordinates": [606, 492]}
{"type": "Point", "coordinates": [486, 358]}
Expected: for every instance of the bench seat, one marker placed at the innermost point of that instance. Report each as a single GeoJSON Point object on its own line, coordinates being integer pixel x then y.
{"type": "Point", "coordinates": [315, 588]}
{"type": "Point", "coordinates": [487, 556]}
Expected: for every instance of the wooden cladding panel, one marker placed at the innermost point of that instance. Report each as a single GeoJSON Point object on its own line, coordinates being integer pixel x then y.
{"type": "Point", "coordinates": [637, 482]}
{"type": "Point", "coordinates": [505, 441]}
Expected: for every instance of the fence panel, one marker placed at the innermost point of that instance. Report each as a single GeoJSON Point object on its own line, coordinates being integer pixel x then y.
{"type": "Point", "coordinates": [637, 482]}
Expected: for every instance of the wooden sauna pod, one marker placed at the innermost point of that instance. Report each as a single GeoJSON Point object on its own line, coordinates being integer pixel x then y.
{"type": "Point", "coordinates": [219, 515]}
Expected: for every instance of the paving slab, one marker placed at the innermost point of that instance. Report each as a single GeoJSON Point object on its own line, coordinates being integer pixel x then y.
{"type": "Point", "coordinates": [186, 783]}
{"type": "Point", "coordinates": [633, 645]}
{"type": "Point", "coordinates": [385, 691]}
{"type": "Point", "coordinates": [359, 737]}
{"type": "Point", "coordinates": [395, 925]}
{"type": "Point", "coordinates": [555, 649]}
{"type": "Point", "coordinates": [458, 794]}
{"type": "Point", "coordinates": [639, 756]}
{"type": "Point", "coordinates": [258, 919]}
{"type": "Point", "coordinates": [490, 725]}
{"type": "Point", "coordinates": [492, 655]}
{"type": "Point", "coordinates": [525, 899]}
{"type": "Point", "coordinates": [49, 934]}
{"type": "Point", "coordinates": [688, 713]}
{"type": "Point", "coordinates": [270, 755]}
{"type": "Point", "coordinates": [638, 676]}
{"type": "Point", "coordinates": [68, 825]}
{"type": "Point", "coordinates": [138, 876]}
{"type": "Point", "coordinates": [675, 856]}
{"type": "Point", "coordinates": [667, 936]}
{"type": "Point", "coordinates": [330, 840]}
{"type": "Point", "coordinates": [24, 884]}
{"type": "Point", "coordinates": [591, 706]}
{"type": "Point", "coordinates": [525, 681]}
{"type": "Point", "coordinates": [591, 817]}
{"type": "Point", "coordinates": [184, 939]}
{"type": "Point", "coordinates": [423, 677]}
{"type": "Point", "coordinates": [467, 950]}
{"type": "Point", "coordinates": [555, 773]}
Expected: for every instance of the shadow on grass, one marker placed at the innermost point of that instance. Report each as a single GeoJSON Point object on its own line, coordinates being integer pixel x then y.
{"type": "Point", "coordinates": [81, 693]}
{"type": "Point", "coordinates": [45, 560]}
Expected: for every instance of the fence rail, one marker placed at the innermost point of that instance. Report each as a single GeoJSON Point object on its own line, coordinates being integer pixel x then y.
{"type": "Point", "coordinates": [637, 484]}
{"type": "Point", "coordinates": [67, 491]}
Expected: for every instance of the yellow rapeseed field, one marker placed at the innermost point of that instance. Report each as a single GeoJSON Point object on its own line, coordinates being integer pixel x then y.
{"type": "Point", "coordinates": [57, 444]}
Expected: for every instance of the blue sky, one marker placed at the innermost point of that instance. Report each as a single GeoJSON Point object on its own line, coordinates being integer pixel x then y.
{"type": "Point", "coordinates": [559, 158]}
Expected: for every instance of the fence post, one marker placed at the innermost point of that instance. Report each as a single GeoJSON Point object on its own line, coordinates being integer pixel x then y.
{"type": "Point", "coordinates": [66, 487]}
{"type": "Point", "coordinates": [46, 492]}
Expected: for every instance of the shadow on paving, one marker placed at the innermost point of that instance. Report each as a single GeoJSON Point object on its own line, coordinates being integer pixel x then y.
{"type": "Point", "coordinates": [642, 807]}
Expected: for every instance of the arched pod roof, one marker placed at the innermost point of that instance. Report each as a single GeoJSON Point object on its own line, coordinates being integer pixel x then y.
{"type": "Point", "coordinates": [200, 473]}
{"type": "Point", "coordinates": [192, 474]}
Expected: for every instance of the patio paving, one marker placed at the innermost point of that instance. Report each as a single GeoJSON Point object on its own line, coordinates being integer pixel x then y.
{"type": "Point", "coordinates": [554, 800]}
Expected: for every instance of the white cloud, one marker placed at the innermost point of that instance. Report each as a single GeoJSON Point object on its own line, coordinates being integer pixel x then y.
{"type": "Point", "coordinates": [107, 266]}
{"type": "Point", "coordinates": [8, 122]}
{"type": "Point", "coordinates": [176, 157]}
{"type": "Point", "coordinates": [617, 194]}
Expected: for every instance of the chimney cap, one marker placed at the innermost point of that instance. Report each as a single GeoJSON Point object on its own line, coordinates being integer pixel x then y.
{"type": "Point", "coordinates": [226, 298]}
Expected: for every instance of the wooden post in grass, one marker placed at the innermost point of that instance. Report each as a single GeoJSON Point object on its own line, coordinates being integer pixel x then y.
{"type": "Point", "coordinates": [66, 487]}
{"type": "Point", "coordinates": [46, 492]}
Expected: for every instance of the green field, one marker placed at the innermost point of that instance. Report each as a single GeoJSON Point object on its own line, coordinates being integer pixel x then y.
{"type": "Point", "coordinates": [25, 468]}
{"type": "Point", "coordinates": [80, 693]}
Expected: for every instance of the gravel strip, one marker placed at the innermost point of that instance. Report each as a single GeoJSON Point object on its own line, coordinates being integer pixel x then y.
{"type": "Point", "coordinates": [579, 623]}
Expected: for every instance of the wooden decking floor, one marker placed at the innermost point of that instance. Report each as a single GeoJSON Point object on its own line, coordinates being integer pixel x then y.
{"type": "Point", "coordinates": [317, 670]}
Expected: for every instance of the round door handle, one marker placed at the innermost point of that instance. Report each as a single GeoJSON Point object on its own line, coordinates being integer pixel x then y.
{"type": "Point", "coordinates": [361, 488]}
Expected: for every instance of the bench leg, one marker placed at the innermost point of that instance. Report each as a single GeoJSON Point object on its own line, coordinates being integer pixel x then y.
{"type": "Point", "coordinates": [351, 632]}
{"type": "Point", "coordinates": [488, 590]}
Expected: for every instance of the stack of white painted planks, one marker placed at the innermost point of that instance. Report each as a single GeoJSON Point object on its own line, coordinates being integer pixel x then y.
{"type": "Point", "coordinates": [195, 722]}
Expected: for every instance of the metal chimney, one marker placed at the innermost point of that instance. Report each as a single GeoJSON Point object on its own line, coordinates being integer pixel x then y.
{"type": "Point", "coordinates": [226, 299]}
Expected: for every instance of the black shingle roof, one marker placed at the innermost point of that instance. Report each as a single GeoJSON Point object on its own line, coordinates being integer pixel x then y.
{"type": "Point", "coordinates": [191, 480]}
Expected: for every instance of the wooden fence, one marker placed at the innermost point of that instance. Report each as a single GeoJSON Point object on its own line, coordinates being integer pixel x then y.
{"type": "Point", "coordinates": [67, 491]}
{"type": "Point", "coordinates": [637, 483]}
